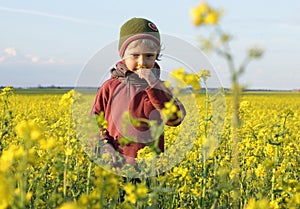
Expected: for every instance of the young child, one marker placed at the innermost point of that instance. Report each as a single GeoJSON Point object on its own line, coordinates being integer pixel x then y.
{"type": "Point", "coordinates": [135, 88]}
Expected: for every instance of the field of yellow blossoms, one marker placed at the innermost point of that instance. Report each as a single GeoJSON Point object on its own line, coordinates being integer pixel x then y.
{"type": "Point", "coordinates": [43, 164]}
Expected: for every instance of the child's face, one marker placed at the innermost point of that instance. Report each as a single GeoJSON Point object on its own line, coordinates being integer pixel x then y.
{"type": "Point", "coordinates": [140, 56]}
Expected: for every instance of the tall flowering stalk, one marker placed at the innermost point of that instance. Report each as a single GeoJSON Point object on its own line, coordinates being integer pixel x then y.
{"type": "Point", "coordinates": [66, 103]}
{"type": "Point", "coordinates": [205, 15]}
{"type": "Point", "coordinates": [6, 112]}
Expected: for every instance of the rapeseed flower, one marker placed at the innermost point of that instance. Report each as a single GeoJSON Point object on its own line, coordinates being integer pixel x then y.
{"type": "Point", "coordinates": [130, 193]}
{"type": "Point", "coordinates": [141, 190]}
{"type": "Point", "coordinates": [260, 171]}
{"type": "Point", "coordinates": [29, 130]}
{"type": "Point", "coordinates": [184, 79]}
{"type": "Point", "coordinates": [258, 204]}
{"type": "Point", "coordinates": [203, 14]}
{"type": "Point", "coordinates": [70, 205]}
{"type": "Point", "coordinates": [6, 193]}
{"type": "Point", "coordinates": [7, 158]}
{"type": "Point", "coordinates": [7, 91]}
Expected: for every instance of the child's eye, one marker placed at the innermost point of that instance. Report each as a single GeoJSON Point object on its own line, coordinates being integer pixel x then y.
{"type": "Point", "coordinates": [147, 55]}
{"type": "Point", "coordinates": [135, 55]}
{"type": "Point", "coordinates": [150, 56]}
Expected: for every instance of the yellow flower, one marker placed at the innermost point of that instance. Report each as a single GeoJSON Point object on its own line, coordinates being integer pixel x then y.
{"type": "Point", "coordinates": [196, 193]}
{"type": "Point", "coordinates": [258, 204]}
{"type": "Point", "coordinates": [197, 13]}
{"type": "Point", "coordinates": [19, 152]}
{"type": "Point", "coordinates": [193, 80]}
{"type": "Point", "coordinates": [8, 90]}
{"type": "Point", "coordinates": [129, 188]}
{"type": "Point", "coordinates": [68, 151]}
{"type": "Point", "coordinates": [69, 205]}
{"type": "Point", "coordinates": [169, 110]}
{"type": "Point", "coordinates": [171, 107]}
{"type": "Point", "coordinates": [35, 134]}
{"type": "Point", "coordinates": [233, 173]}
{"type": "Point", "coordinates": [67, 99]}
{"type": "Point", "coordinates": [131, 198]}
{"type": "Point", "coordinates": [211, 18]}
{"type": "Point", "coordinates": [47, 144]}
{"type": "Point", "coordinates": [28, 196]}
{"type": "Point", "coordinates": [28, 130]}
{"type": "Point", "coordinates": [260, 171]}
{"type": "Point", "coordinates": [250, 161]}
{"type": "Point", "coordinates": [5, 193]}
{"type": "Point", "coordinates": [255, 52]}
{"type": "Point", "coordinates": [141, 66]}
{"type": "Point", "coordinates": [17, 191]}
{"type": "Point", "coordinates": [204, 74]}
{"type": "Point", "coordinates": [204, 14]}
{"type": "Point", "coordinates": [141, 190]}
{"type": "Point", "coordinates": [7, 158]}
{"type": "Point", "coordinates": [274, 204]}
{"type": "Point", "coordinates": [130, 193]}
{"type": "Point", "coordinates": [196, 17]}
{"type": "Point", "coordinates": [178, 76]}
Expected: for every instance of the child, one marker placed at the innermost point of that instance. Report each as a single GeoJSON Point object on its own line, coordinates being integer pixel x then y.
{"type": "Point", "coordinates": [135, 88]}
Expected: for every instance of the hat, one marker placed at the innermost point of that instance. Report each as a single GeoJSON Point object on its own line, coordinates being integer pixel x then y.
{"type": "Point", "coordinates": [137, 28]}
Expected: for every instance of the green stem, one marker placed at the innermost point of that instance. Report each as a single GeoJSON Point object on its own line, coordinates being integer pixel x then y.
{"type": "Point", "coordinates": [203, 182]}
{"type": "Point", "coordinates": [23, 179]}
{"type": "Point", "coordinates": [88, 179]}
{"type": "Point", "coordinates": [65, 176]}
{"type": "Point", "coordinates": [206, 109]}
{"type": "Point", "coordinates": [204, 147]}
{"type": "Point", "coordinates": [235, 141]}
{"type": "Point", "coordinates": [5, 106]}
{"type": "Point", "coordinates": [67, 158]}
{"type": "Point", "coordinates": [273, 185]}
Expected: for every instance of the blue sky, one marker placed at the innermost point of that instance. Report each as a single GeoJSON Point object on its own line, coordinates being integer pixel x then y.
{"type": "Point", "coordinates": [50, 42]}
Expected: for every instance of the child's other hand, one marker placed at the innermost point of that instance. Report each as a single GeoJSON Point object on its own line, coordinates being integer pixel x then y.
{"type": "Point", "coordinates": [147, 74]}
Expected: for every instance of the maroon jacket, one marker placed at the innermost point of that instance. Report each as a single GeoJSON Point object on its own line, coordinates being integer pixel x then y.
{"type": "Point", "coordinates": [126, 92]}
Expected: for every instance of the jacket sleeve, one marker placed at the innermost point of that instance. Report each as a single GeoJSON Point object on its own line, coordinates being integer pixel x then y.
{"type": "Point", "coordinates": [159, 94]}
{"type": "Point", "coordinates": [99, 109]}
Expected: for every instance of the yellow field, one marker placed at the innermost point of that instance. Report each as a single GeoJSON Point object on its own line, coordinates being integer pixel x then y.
{"type": "Point", "coordinates": [43, 164]}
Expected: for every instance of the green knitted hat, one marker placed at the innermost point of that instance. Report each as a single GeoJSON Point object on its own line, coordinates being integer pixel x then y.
{"type": "Point", "coordinates": [137, 28]}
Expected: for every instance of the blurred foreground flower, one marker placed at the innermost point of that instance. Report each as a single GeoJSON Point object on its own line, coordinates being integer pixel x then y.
{"type": "Point", "coordinates": [28, 130]}
{"type": "Point", "coordinates": [205, 15]}
{"type": "Point", "coordinates": [255, 52]}
{"type": "Point", "coordinates": [184, 79]}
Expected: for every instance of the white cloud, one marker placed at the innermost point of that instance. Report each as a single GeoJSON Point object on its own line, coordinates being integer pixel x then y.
{"type": "Point", "coordinates": [10, 55]}
{"type": "Point", "coordinates": [2, 58]}
{"type": "Point", "coordinates": [33, 58]}
{"type": "Point", "coordinates": [10, 52]}
{"type": "Point", "coordinates": [53, 60]}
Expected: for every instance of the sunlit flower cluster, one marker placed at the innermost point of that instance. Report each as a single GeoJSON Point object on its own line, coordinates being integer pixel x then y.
{"type": "Point", "coordinates": [7, 91]}
{"type": "Point", "coordinates": [204, 14]}
{"type": "Point", "coordinates": [185, 79]}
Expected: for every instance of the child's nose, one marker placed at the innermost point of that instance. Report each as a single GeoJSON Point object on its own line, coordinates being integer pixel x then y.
{"type": "Point", "coordinates": [142, 60]}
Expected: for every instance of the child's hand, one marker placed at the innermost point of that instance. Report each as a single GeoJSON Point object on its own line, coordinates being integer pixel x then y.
{"type": "Point", "coordinates": [147, 74]}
